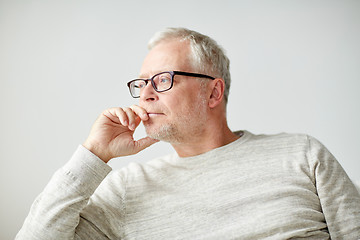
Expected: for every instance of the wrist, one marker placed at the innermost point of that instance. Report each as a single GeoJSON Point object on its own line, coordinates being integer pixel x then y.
{"type": "Point", "coordinates": [96, 151]}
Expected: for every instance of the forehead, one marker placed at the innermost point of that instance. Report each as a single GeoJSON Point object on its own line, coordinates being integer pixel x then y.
{"type": "Point", "coordinates": [167, 56]}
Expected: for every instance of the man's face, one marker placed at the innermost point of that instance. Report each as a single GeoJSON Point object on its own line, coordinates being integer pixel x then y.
{"type": "Point", "coordinates": [180, 113]}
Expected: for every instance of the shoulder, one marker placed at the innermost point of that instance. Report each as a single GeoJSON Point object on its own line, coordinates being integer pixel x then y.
{"type": "Point", "coordinates": [284, 143]}
{"type": "Point", "coordinates": [292, 143]}
{"type": "Point", "coordinates": [280, 139]}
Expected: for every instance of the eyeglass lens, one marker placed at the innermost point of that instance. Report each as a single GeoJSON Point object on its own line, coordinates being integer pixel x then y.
{"type": "Point", "coordinates": [162, 82]}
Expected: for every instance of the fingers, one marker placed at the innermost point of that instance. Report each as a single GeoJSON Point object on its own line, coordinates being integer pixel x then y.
{"type": "Point", "coordinates": [141, 112]}
{"type": "Point", "coordinates": [145, 142]}
{"type": "Point", "coordinates": [129, 116]}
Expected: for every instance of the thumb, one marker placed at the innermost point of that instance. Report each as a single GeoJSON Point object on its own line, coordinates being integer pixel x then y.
{"type": "Point", "coordinates": [137, 121]}
{"type": "Point", "coordinates": [145, 142]}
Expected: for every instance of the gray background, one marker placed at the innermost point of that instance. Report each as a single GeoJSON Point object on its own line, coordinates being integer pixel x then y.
{"type": "Point", "coordinates": [294, 64]}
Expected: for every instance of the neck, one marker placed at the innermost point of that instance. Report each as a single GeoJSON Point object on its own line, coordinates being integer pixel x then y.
{"type": "Point", "coordinates": [212, 137]}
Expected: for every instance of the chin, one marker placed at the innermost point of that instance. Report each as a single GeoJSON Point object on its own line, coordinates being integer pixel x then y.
{"type": "Point", "coordinates": [166, 133]}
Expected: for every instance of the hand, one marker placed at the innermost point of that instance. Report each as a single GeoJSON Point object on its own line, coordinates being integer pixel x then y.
{"type": "Point", "coordinates": [112, 133]}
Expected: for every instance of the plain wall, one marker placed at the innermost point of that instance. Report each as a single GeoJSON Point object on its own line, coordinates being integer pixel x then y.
{"type": "Point", "coordinates": [295, 68]}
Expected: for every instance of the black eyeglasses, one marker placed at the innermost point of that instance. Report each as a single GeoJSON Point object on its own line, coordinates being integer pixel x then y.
{"type": "Point", "coordinates": [161, 82]}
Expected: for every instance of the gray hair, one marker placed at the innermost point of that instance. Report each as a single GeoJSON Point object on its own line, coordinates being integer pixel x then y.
{"type": "Point", "coordinates": [208, 57]}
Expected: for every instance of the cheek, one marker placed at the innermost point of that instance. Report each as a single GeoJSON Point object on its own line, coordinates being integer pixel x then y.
{"type": "Point", "coordinates": [191, 108]}
{"type": "Point", "coordinates": [186, 99]}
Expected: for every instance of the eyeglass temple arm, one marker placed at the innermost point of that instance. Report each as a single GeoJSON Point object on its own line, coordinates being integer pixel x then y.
{"type": "Point", "coordinates": [193, 74]}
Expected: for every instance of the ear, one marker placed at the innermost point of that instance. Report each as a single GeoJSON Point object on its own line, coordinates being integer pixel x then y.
{"type": "Point", "coordinates": [217, 93]}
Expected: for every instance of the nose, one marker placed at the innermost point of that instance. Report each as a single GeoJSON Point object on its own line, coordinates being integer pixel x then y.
{"type": "Point", "coordinates": [148, 93]}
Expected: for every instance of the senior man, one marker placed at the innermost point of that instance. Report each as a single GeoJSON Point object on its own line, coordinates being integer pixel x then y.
{"type": "Point", "coordinates": [219, 184]}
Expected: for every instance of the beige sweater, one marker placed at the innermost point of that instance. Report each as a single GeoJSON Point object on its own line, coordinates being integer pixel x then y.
{"type": "Point", "coordinates": [258, 187]}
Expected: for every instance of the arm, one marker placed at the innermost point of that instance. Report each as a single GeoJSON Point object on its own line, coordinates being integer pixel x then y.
{"type": "Point", "coordinates": [55, 214]}
{"type": "Point", "coordinates": [338, 196]}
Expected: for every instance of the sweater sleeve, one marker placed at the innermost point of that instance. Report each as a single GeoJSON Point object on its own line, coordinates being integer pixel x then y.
{"type": "Point", "coordinates": [339, 198]}
{"type": "Point", "coordinates": [55, 214]}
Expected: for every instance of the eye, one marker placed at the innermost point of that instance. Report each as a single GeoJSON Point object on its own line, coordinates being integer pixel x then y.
{"type": "Point", "coordinates": [164, 79]}
{"type": "Point", "coordinates": [139, 84]}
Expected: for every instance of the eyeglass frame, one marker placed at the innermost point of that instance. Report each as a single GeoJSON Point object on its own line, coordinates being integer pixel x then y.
{"type": "Point", "coordinates": [172, 74]}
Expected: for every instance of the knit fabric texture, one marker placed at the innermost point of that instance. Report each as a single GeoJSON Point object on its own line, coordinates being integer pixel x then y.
{"type": "Point", "coordinates": [258, 187]}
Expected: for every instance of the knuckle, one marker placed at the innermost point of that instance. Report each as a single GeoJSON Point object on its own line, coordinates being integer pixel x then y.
{"type": "Point", "coordinates": [119, 111]}
{"type": "Point", "coordinates": [136, 108]}
{"type": "Point", "coordinates": [127, 109]}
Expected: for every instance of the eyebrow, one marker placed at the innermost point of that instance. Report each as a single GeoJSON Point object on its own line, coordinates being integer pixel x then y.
{"type": "Point", "coordinates": [152, 73]}
{"type": "Point", "coordinates": [141, 76]}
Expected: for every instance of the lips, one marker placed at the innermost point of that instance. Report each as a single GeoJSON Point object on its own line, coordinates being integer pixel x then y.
{"type": "Point", "coordinates": [151, 114]}
{"type": "Point", "coordinates": [153, 111]}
